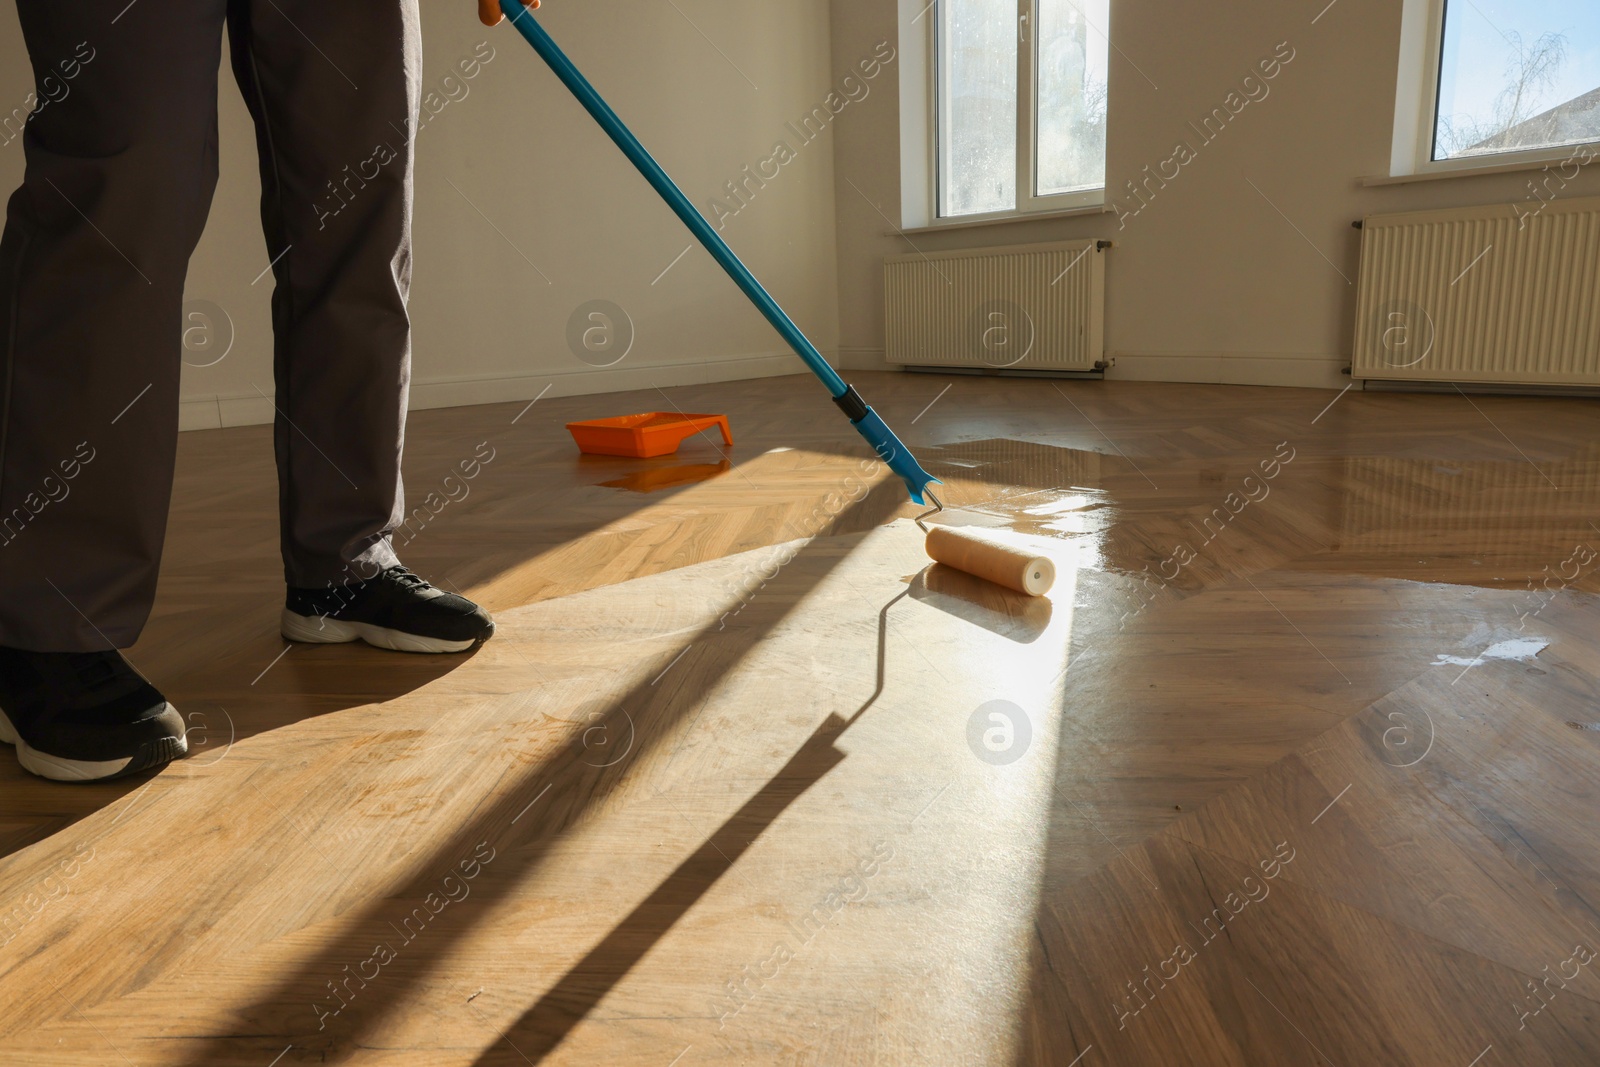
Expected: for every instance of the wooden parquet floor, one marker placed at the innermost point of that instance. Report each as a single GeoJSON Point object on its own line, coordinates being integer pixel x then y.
{"type": "Point", "coordinates": [1298, 765]}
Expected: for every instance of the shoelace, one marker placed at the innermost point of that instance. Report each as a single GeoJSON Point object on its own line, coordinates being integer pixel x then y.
{"type": "Point", "coordinates": [94, 671]}
{"type": "Point", "coordinates": [399, 574]}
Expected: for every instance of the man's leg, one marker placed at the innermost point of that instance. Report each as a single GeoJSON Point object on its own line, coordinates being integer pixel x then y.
{"type": "Point", "coordinates": [333, 90]}
{"type": "Point", "coordinates": [121, 163]}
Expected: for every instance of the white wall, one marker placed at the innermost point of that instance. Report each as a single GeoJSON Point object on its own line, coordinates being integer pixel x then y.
{"type": "Point", "coordinates": [487, 326]}
{"type": "Point", "coordinates": [1208, 282]}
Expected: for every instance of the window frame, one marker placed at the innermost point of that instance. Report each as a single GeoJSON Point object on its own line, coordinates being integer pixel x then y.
{"type": "Point", "coordinates": [1416, 109]}
{"type": "Point", "coordinates": [921, 22]}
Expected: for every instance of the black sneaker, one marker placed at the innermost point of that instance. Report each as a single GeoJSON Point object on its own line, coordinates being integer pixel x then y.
{"type": "Point", "coordinates": [84, 716]}
{"type": "Point", "coordinates": [395, 610]}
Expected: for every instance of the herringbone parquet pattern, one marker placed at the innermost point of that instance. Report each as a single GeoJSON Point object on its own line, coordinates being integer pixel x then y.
{"type": "Point", "coordinates": [1299, 764]}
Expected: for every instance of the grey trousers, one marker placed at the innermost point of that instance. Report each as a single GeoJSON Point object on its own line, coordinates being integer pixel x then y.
{"type": "Point", "coordinates": [121, 156]}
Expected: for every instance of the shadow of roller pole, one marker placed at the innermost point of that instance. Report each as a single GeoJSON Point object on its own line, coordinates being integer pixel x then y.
{"type": "Point", "coordinates": [545, 1025]}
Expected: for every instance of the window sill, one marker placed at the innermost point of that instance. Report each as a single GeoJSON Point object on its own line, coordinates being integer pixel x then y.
{"type": "Point", "coordinates": [1567, 153]}
{"type": "Point", "coordinates": [1004, 220]}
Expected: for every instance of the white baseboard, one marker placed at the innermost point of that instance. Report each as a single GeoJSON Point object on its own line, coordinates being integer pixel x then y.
{"type": "Point", "coordinates": [1283, 369]}
{"type": "Point", "coordinates": [1292, 369]}
{"type": "Point", "coordinates": [864, 359]}
{"type": "Point", "coordinates": [212, 412]}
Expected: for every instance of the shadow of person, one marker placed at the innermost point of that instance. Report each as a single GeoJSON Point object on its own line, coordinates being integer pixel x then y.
{"type": "Point", "coordinates": [565, 785]}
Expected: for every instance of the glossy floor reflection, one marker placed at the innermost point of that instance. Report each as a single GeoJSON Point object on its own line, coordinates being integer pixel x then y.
{"type": "Point", "coordinates": [1297, 765]}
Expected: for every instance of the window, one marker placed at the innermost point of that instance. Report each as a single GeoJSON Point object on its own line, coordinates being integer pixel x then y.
{"type": "Point", "coordinates": [1020, 105]}
{"type": "Point", "coordinates": [1497, 82]}
{"type": "Point", "coordinates": [1515, 76]}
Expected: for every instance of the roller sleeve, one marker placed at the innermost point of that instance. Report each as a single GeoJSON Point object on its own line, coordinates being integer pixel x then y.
{"type": "Point", "coordinates": [995, 556]}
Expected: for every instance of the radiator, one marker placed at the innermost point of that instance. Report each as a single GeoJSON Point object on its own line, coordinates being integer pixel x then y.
{"type": "Point", "coordinates": [1502, 294]}
{"type": "Point", "coordinates": [1031, 307]}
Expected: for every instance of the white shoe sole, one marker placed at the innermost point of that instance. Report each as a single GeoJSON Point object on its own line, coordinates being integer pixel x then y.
{"type": "Point", "coordinates": [321, 630]}
{"type": "Point", "coordinates": [61, 769]}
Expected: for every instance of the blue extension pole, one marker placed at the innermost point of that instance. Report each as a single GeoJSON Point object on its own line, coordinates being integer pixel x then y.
{"type": "Point", "coordinates": [866, 421]}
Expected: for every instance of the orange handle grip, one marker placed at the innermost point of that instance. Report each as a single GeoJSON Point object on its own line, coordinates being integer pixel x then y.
{"type": "Point", "coordinates": [489, 11]}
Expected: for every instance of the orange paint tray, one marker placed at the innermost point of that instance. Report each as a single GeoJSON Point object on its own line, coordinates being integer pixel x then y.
{"type": "Point", "coordinates": [654, 433]}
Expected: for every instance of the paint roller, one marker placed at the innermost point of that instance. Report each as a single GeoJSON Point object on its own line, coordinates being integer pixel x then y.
{"type": "Point", "coordinates": [988, 554]}
{"type": "Point", "coordinates": [999, 556]}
